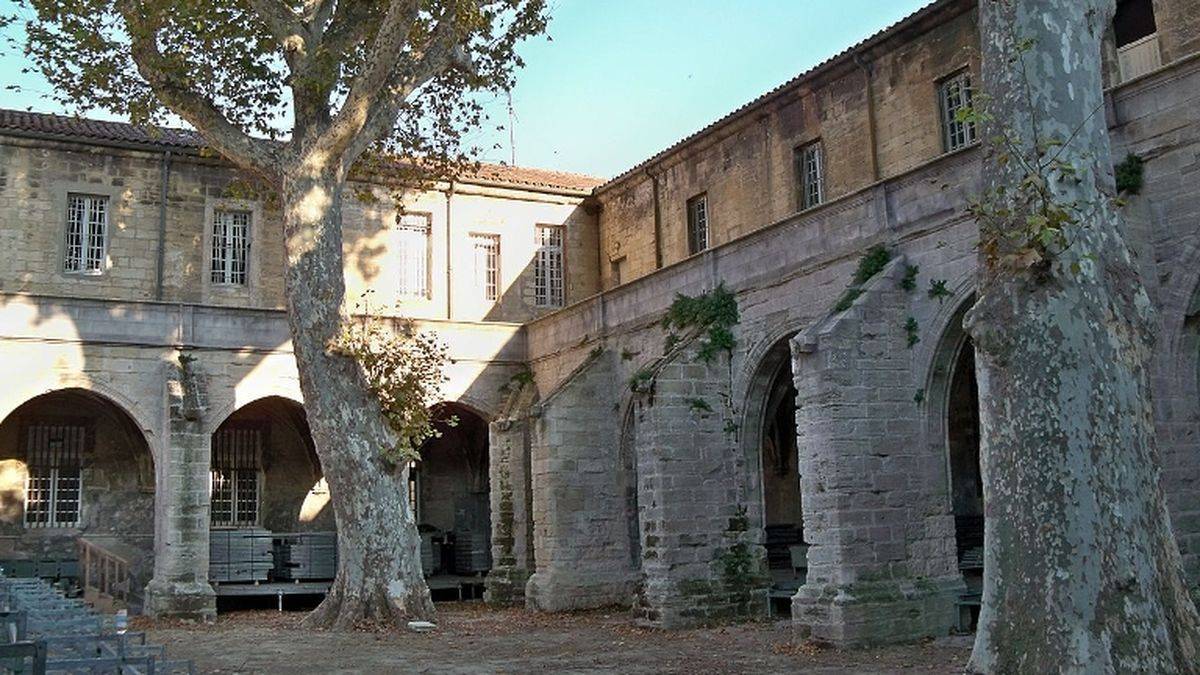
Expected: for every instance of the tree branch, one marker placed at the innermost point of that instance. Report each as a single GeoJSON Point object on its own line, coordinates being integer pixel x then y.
{"type": "Point", "coordinates": [174, 90]}
{"type": "Point", "coordinates": [370, 84]}
{"type": "Point", "coordinates": [283, 23]}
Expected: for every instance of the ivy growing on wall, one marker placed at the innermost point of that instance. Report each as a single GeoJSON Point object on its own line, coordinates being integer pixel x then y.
{"type": "Point", "coordinates": [871, 263]}
{"type": "Point", "coordinates": [711, 315]}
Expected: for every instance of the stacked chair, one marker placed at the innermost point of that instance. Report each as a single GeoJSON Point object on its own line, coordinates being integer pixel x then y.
{"type": "Point", "coordinates": [42, 631]}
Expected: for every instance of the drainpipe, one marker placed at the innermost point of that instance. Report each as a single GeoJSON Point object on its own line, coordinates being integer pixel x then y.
{"type": "Point", "coordinates": [164, 173]}
{"type": "Point", "coordinates": [658, 249]}
{"type": "Point", "coordinates": [449, 260]}
{"type": "Point", "coordinates": [866, 69]}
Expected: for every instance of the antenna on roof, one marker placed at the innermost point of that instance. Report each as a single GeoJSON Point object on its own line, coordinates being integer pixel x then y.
{"type": "Point", "coordinates": [512, 138]}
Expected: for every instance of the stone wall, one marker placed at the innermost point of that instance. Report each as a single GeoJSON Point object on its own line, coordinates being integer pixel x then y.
{"type": "Point", "coordinates": [582, 545]}
{"type": "Point", "coordinates": [38, 175]}
{"type": "Point", "coordinates": [898, 572]}
{"type": "Point", "coordinates": [701, 561]}
{"type": "Point", "coordinates": [882, 565]}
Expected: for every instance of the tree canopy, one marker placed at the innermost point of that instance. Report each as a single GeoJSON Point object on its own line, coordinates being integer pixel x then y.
{"type": "Point", "coordinates": [270, 81]}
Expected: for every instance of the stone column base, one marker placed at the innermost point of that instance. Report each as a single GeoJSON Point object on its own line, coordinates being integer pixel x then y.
{"type": "Point", "coordinates": [505, 586]}
{"type": "Point", "coordinates": [181, 600]}
{"type": "Point", "coordinates": [550, 592]}
{"type": "Point", "coordinates": [877, 612]}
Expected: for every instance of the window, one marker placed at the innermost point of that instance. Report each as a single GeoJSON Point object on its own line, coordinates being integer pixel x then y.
{"type": "Point", "coordinates": [87, 232]}
{"type": "Point", "coordinates": [413, 230]}
{"type": "Point", "coordinates": [1136, 34]}
{"type": "Point", "coordinates": [53, 486]}
{"type": "Point", "coordinates": [236, 453]}
{"type": "Point", "coordinates": [1133, 21]}
{"type": "Point", "coordinates": [697, 215]}
{"type": "Point", "coordinates": [548, 267]}
{"type": "Point", "coordinates": [230, 247]}
{"type": "Point", "coordinates": [955, 94]}
{"type": "Point", "coordinates": [810, 172]}
{"type": "Point", "coordinates": [485, 252]}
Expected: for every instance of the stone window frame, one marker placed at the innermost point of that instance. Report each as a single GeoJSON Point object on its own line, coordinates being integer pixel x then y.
{"type": "Point", "coordinates": [253, 270]}
{"type": "Point", "coordinates": [62, 204]}
{"type": "Point", "coordinates": [802, 154]}
{"type": "Point", "coordinates": [947, 124]}
{"type": "Point", "coordinates": [697, 210]}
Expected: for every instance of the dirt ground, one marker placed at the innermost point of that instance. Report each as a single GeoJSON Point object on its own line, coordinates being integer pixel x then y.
{"type": "Point", "coordinates": [471, 638]}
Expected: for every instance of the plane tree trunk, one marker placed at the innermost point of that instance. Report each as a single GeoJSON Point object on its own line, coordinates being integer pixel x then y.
{"type": "Point", "coordinates": [1082, 572]}
{"type": "Point", "coordinates": [379, 576]}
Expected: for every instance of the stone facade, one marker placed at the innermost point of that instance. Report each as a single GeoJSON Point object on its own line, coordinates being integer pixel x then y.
{"type": "Point", "coordinates": [623, 470]}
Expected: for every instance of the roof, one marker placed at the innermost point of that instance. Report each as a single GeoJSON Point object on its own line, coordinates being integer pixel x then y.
{"type": "Point", "coordinates": [914, 19]}
{"type": "Point", "coordinates": [81, 129]}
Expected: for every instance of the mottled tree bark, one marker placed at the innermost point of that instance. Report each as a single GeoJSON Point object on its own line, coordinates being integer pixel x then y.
{"type": "Point", "coordinates": [1082, 572]}
{"type": "Point", "coordinates": [379, 575]}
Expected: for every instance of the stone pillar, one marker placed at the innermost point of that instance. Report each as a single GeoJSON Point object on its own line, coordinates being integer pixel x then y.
{"type": "Point", "coordinates": [701, 562]}
{"type": "Point", "coordinates": [882, 565]}
{"type": "Point", "coordinates": [508, 458]}
{"type": "Point", "coordinates": [581, 531]}
{"type": "Point", "coordinates": [180, 585]}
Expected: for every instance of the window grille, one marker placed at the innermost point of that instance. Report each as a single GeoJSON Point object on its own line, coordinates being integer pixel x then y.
{"type": "Point", "coordinates": [236, 453]}
{"type": "Point", "coordinates": [697, 210]}
{"type": "Point", "coordinates": [955, 94]}
{"type": "Point", "coordinates": [87, 232]}
{"type": "Point", "coordinates": [548, 267]}
{"type": "Point", "coordinates": [54, 484]}
{"type": "Point", "coordinates": [485, 250]}
{"type": "Point", "coordinates": [810, 168]}
{"type": "Point", "coordinates": [414, 230]}
{"type": "Point", "coordinates": [230, 246]}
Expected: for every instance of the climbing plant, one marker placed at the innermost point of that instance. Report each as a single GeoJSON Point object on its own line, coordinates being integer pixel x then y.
{"type": "Point", "coordinates": [711, 316]}
{"type": "Point", "coordinates": [871, 263]}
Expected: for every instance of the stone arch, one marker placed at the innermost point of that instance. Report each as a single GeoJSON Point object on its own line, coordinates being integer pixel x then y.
{"type": "Point", "coordinates": [19, 394]}
{"type": "Point", "coordinates": [243, 397]}
{"type": "Point", "coordinates": [450, 488]}
{"type": "Point", "coordinates": [768, 430]}
{"type": "Point", "coordinates": [76, 462]}
{"type": "Point", "coordinates": [270, 437]}
{"type": "Point", "coordinates": [952, 430]}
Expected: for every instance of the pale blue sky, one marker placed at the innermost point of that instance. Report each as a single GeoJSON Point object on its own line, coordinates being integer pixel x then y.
{"type": "Point", "coordinates": [623, 79]}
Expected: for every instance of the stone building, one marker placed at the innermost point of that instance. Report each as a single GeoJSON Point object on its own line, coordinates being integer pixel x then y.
{"type": "Point", "coordinates": [827, 463]}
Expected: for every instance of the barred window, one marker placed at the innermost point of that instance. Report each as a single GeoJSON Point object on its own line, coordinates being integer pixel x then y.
{"type": "Point", "coordinates": [413, 230]}
{"type": "Point", "coordinates": [810, 172]}
{"type": "Point", "coordinates": [230, 246]}
{"type": "Point", "coordinates": [697, 215]}
{"type": "Point", "coordinates": [955, 95]}
{"type": "Point", "coordinates": [236, 455]}
{"type": "Point", "coordinates": [548, 267]}
{"type": "Point", "coordinates": [87, 233]}
{"type": "Point", "coordinates": [54, 484]}
{"type": "Point", "coordinates": [485, 252]}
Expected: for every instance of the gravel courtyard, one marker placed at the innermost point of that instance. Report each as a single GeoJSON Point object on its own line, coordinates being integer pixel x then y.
{"type": "Point", "coordinates": [471, 638]}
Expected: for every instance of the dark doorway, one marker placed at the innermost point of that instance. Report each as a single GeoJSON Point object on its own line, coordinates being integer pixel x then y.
{"type": "Point", "coordinates": [450, 493]}
{"type": "Point", "coordinates": [783, 518]}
